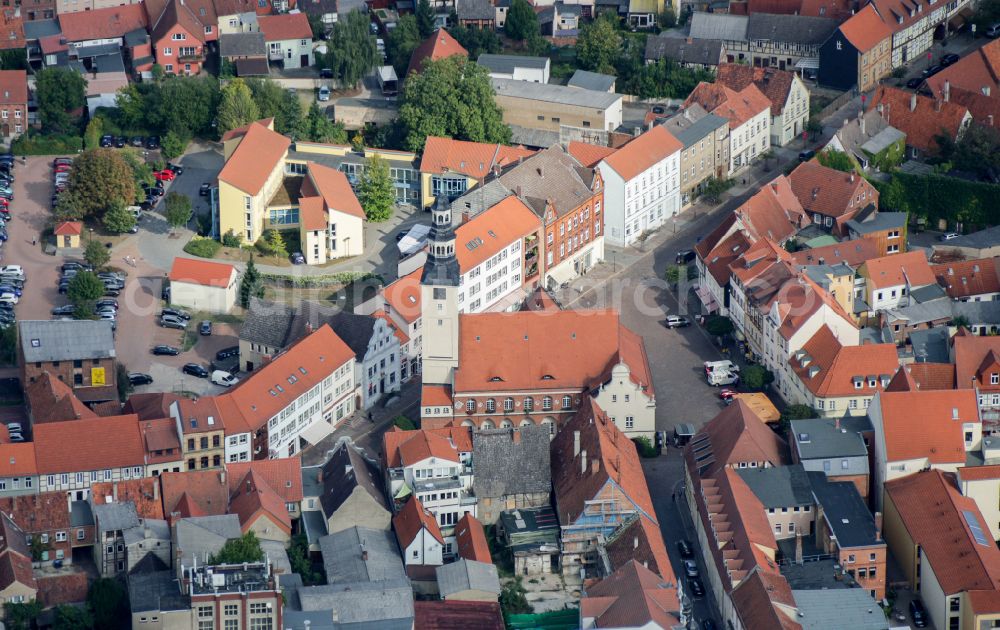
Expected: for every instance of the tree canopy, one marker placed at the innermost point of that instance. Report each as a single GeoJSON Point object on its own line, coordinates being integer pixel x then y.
{"type": "Point", "coordinates": [60, 92]}
{"type": "Point", "coordinates": [178, 209]}
{"type": "Point", "coordinates": [599, 44]}
{"type": "Point", "coordinates": [425, 18]}
{"type": "Point", "coordinates": [246, 548]}
{"type": "Point", "coordinates": [250, 284]}
{"type": "Point", "coordinates": [236, 107]}
{"type": "Point", "coordinates": [401, 43]}
{"type": "Point", "coordinates": [521, 22]}
{"type": "Point", "coordinates": [119, 219]}
{"type": "Point", "coordinates": [108, 604]}
{"type": "Point", "coordinates": [186, 105]}
{"type": "Point", "coordinates": [274, 101]}
{"type": "Point", "coordinates": [319, 128]}
{"type": "Point", "coordinates": [476, 40]}
{"type": "Point", "coordinates": [376, 191]}
{"type": "Point", "coordinates": [837, 160]}
{"type": "Point", "coordinates": [84, 289]}
{"type": "Point", "coordinates": [96, 254]}
{"type": "Point", "coordinates": [451, 97]}
{"type": "Point", "coordinates": [351, 52]}
{"type": "Point", "coordinates": [99, 179]}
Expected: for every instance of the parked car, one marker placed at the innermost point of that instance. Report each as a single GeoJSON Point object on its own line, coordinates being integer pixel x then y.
{"type": "Point", "coordinates": [676, 321]}
{"type": "Point", "coordinates": [931, 71]}
{"type": "Point", "coordinates": [696, 587]}
{"type": "Point", "coordinates": [949, 235]}
{"type": "Point", "coordinates": [168, 321]}
{"type": "Point", "coordinates": [949, 59]}
{"type": "Point", "coordinates": [684, 256]}
{"type": "Point", "coordinates": [72, 264]}
{"type": "Point", "coordinates": [16, 436]}
{"type": "Point", "coordinates": [7, 288]}
{"type": "Point", "coordinates": [807, 155]}
{"type": "Point", "coordinates": [993, 31]}
{"type": "Point", "coordinates": [914, 83]}
{"type": "Point", "coordinates": [176, 312]}
{"type": "Point", "coordinates": [684, 548]}
{"type": "Point", "coordinates": [221, 377]}
{"type": "Point", "coordinates": [138, 141]}
{"type": "Point", "coordinates": [168, 351]}
{"type": "Point", "coordinates": [68, 309]}
{"type": "Point", "coordinates": [62, 160]}
{"type": "Point", "coordinates": [324, 93]}
{"type": "Point", "coordinates": [918, 613]}
{"type": "Point", "coordinates": [204, 189]}
{"type": "Point", "coordinates": [298, 259]}
{"type": "Point", "coordinates": [225, 353]}
{"type": "Point", "coordinates": [9, 298]}
{"type": "Point", "coordinates": [107, 141]}
{"type": "Point", "coordinates": [195, 370]}
{"type": "Point", "coordinates": [13, 426]}
{"type": "Point", "coordinates": [166, 175]}
{"type": "Point", "coordinates": [176, 169]}
{"type": "Point", "coordinates": [107, 303]}
{"type": "Point", "coordinates": [727, 394]}
{"type": "Point", "coordinates": [17, 270]}
{"type": "Point", "coordinates": [120, 142]}
{"type": "Point", "coordinates": [205, 328]}
{"type": "Point", "coordinates": [153, 143]}
{"type": "Point", "coordinates": [138, 378]}
{"type": "Point", "coordinates": [690, 568]}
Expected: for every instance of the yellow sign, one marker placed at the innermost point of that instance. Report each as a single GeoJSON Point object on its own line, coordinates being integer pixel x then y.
{"type": "Point", "coordinates": [97, 376]}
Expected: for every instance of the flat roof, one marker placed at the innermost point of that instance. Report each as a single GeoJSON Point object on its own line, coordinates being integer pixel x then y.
{"type": "Point", "coordinates": [560, 94]}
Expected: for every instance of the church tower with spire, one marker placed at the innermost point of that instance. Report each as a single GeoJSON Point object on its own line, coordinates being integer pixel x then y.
{"type": "Point", "coordinates": [439, 299]}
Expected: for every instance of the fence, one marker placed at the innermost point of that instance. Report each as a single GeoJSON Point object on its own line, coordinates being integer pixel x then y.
{"type": "Point", "coordinates": [568, 619]}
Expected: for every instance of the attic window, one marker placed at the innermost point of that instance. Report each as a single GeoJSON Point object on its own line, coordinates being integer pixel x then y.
{"type": "Point", "coordinates": [303, 370]}
{"type": "Point", "coordinates": [194, 423]}
{"type": "Point", "coordinates": [496, 379]}
{"type": "Point", "coordinates": [35, 343]}
{"type": "Point", "coordinates": [280, 388]}
{"type": "Point", "coordinates": [548, 377]}
{"type": "Point", "coordinates": [292, 380]}
{"type": "Point", "coordinates": [211, 420]}
{"type": "Point", "coordinates": [804, 438]}
{"type": "Point", "coordinates": [272, 392]}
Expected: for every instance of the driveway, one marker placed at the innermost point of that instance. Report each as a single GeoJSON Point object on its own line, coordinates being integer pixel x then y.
{"type": "Point", "coordinates": [201, 164]}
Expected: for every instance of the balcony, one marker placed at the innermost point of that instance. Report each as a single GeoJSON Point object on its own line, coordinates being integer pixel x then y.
{"type": "Point", "coordinates": [191, 57]}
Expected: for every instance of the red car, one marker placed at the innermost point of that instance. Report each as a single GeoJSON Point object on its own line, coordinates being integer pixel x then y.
{"type": "Point", "coordinates": [61, 168]}
{"type": "Point", "coordinates": [727, 394]}
{"type": "Point", "coordinates": [165, 175]}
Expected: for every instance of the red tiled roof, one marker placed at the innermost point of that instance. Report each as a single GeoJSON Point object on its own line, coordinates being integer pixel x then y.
{"type": "Point", "coordinates": [968, 277]}
{"type": "Point", "coordinates": [200, 415]}
{"type": "Point", "coordinates": [841, 367]}
{"type": "Point", "coordinates": [16, 568]}
{"type": "Point", "coordinates": [533, 350]}
{"type": "Point", "coordinates": [721, 258]}
{"type": "Point", "coordinates": [311, 213]}
{"type": "Point", "coordinates": [736, 435]}
{"type": "Point", "coordinates": [924, 424]}
{"type": "Point", "coordinates": [145, 493]}
{"type": "Point", "coordinates": [933, 375]}
{"type": "Point", "coordinates": [336, 191]}
{"type": "Point", "coordinates": [438, 46]}
{"type": "Point", "coordinates": [88, 444]}
{"type": "Point", "coordinates": [254, 498]}
{"type": "Point", "coordinates": [762, 599]}
{"type": "Point", "coordinates": [295, 371]}
{"type": "Point", "coordinates": [865, 29]}
{"type": "Point", "coordinates": [613, 459]}
{"type": "Point", "coordinates": [773, 83]}
{"type": "Point", "coordinates": [970, 353]}
{"type": "Point", "coordinates": [278, 28]}
{"type": "Point", "coordinates": [925, 121]}
{"type": "Point", "coordinates": [851, 253]}
{"type": "Point", "coordinates": [257, 155]}
{"type": "Point", "coordinates": [44, 512]}
{"type": "Point", "coordinates": [985, 601]}
{"type": "Point", "coordinates": [68, 228]}
{"type": "Point", "coordinates": [830, 192]}
{"type": "Point", "coordinates": [405, 448]}
{"type": "Point", "coordinates": [588, 154]}
{"type": "Point", "coordinates": [642, 542]}
{"type": "Point", "coordinates": [108, 23]}
{"type": "Point", "coordinates": [51, 400]}
{"type": "Point", "coordinates": [17, 459]}
{"type": "Point", "coordinates": [735, 106]}
{"type": "Point", "coordinates": [11, 31]}
{"type": "Point", "coordinates": [14, 91]}
{"type": "Point", "coordinates": [453, 614]}
{"type": "Point", "coordinates": [492, 231]}
{"type": "Point", "coordinates": [194, 493]}
{"type": "Point", "coordinates": [640, 154]}
{"type": "Point", "coordinates": [203, 272]}
{"type": "Point", "coordinates": [284, 475]}
{"type": "Point", "coordinates": [411, 519]}
{"type": "Point", "coordinates": [435, 395]}
{"type": "Point", "coordinates": [977, 70]}
{"type": "Point", "coordinates": [985, 110]}
{"type": "Point", "coordinates": [474, 159]}
{"type": "Point", "coordinates": [978, 473]}
{"type": "Point", "coordinates": [774, 212]}
{"type": "Point", "coordinates": [935, 514]}
{"type": "Point", "coordinates": [403, 295]}
{"type": "Point", "coordinates": [396, 330]}
{"type": "Point", "coordinates": [910, 268]}
{"type": "Point", "coordinates": [634, 597]}
{"type": "Point", "coordinates": [470, 538]}
{"type": "Point", "coordinates": [241, 131]}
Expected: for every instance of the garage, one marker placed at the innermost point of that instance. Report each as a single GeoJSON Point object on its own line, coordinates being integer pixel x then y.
{"type": "Point", "coordinates": [203, 285]}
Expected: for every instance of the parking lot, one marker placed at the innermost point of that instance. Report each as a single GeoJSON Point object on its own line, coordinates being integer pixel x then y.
{"type": "Point", "coordinates": [139, 303]}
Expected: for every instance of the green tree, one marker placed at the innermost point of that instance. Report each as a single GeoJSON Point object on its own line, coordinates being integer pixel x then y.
{"type": "Point", "coordinates": [358, 142]}
{"type": "Point", "coordinates": [978, 150]}
{"type": "Point", "coordinates": [178, 209]}
{"type": "Point", "coordinates": [425, 18]}
{"type": "Point", "coordinates": [317, 26]}
{"type": "Point", "coordinates": [142, 171]}
{"type": "Point", "coordinates": [403, 423]}
{"type": "Point", "coordinates": [718, 326]}
{"type": "Point", "coordinates": [894, 196]}
{"type": "Point", "coordinates": [21, 616]}
{"type": "Point", "coordinates": [236, 107]}
{"type": "Point", "coordinates": [272, 243]}
{"type": "Point", "coordinates": [513, 598]}
{"type": "Point", "coordinates": [108, 604]}
{"type": "Point", "coordinates": [246, 548]}
{"type": "Point", "coordinates": [119, 219]}
{"type": "Point", "coordinates": [60, 91]}
{"type": "Point", "coordinates": [521, 22]}
{"type": "Point", "coordinates": [288, 119]}
{"type": "Point", "coordinates": [251, 285]}
{"type": "Point", "coordinates": [14, 59]}
{"type": "Point", "coordinates": [8, 345]}
{"type": "Point", "coordinates": [376, 191]}
{"type": "Point", "coordinates": [131, 106]}
{"type": "Point", "coordinates": [351, 51]}
{"type": "Point", "coordinates": [268, 96]}
{"type": "Point", "coordinates": [72, 618]}
{"type": "Point", "coordinates": [84, 289]}
{"type": "Point", "coordinates": [756, 377]}
{"type": "Point", "coordinates": [319, 128]}
{"type": "Point", "coordinates": [476, 40]}
{"type": "Point", "coordinates": [99, 179]}
{"type": "Point", "coordinates": [401, 42]}
{"type": "Point", "coordinates": [232, 239]}
{"type": "Point", "coordinates": [184, 104]}
{"type": "Point", "coordinates": [667, 19]}
{"type": "Point", "coordinates": [662, 79]}
{"type": "Point", "coordinates": [714, 187]}
{"type": "Point", "coordinates": [67, 208]}
{"type": "Point", "coordinates": [92, 135]}
{"type": "Point", "coordinates": [795, 412]}
{"type": "Point", "coordinates": [599, 43]}
{"type": "Point", "coordinates": [960, 321]}
{"type": "Point", "coordinates": [124, 385]}
{"type": "Point", "coordinates": [96, 254]}
{"type": "Point", "coordinates": [814, 126]}
{"type": "Point", "coordinates": [451, 97]}
{"type": "Point", "coordinates": [298, 557]}
{"type": "Point", "coordinates": [174, 144]}
{"type": "Point", "coordinates": [644, 446]}
{"type": "Point", "coordinates": [837, 160]}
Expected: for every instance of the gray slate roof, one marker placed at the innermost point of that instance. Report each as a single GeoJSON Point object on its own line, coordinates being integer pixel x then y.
{"type": "Point", "coordinates": [533, 138]}
{"type": "Point", "coordinates": [693, 124]}
{"type": "Point", "coordinates": [159, 591]}
{"type": "Point", "coordinates": [376, 606]}
{"type": "Point", "coordinates": [342, 556]}
{"type": "Point", "coordinates": [355, 330]}
{"type": "Point", "coordinates": [59, 340]}
{"type": "Point", "coordinates": [501, 466]}
{"type": "Point", "coordinates": [706, 52]}
{"type": "Point", "coordinates": [930, 345]}
{"type": "Point", "coordinates": [559, 94]}
{"type": "Point", "coordinates": [990, 237]}
{"type": "Point", "coordinates": [116, 516]}
{"type": "Point", "coordinates": [779, 486]}
{"type": "Point", "coordinates": [158, 530]}
{"type": "Point", "coordinates": [849, 518]}
{"type": "Point", "coordinates": [551, 174]}
{"type": "Point", "coordinates": [136, 37]}
{"type": "Point", "coordinates": [242, 45]}
{"type": "Point", "coordinates": [475, 10]}
{"type": "Point", "coordinates": [798, 29]}
{"type": "Point", "coordinates": [479, 199]}
{"type": "Point", "coordinates": [204, 535]}
{"type": "Point", "coordinates": [819, 438]}
{"type": "Point", "coordinates": [881, 221]}
{"type": "Point", "coordinates": [935, 310]}
{"type": "Point", "coordinates": [467, 575]}
{"type": "Point", "coordinates": [927, 293]}
{"type": "Point", "coordinates": [719, 26]}
{"type": "Point", "coordinates": [586, 80]}
{"type": "Point", "coordinates": [80, 514]}
{"type": "Point", "coordinates": [41, 28]}
{"type": "Point", "coordinates": [505, 64]}
{"type": "Point", "coordinates": [978, 312]}
{"type": "Point", "coordinates": [838, 608]}
{"type": "Point", "coordinates": [278, 325]}
{"type": "Point", "coordinates": [314, 524]}
{"type": "Point", "coordinates": [348, 468]}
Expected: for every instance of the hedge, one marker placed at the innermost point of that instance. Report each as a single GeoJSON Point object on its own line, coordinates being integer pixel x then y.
{"type": "Point", "coordinates": [937, 197]}
{"type": "Point", "coordinates": [342, 278]}
{"type": "Point", "coordinates": [203, 247]}
{"type": "Point", "coordinates": [34, 144]}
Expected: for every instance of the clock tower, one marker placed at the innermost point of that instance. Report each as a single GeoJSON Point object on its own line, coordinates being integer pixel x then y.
{"type": "Point", "coordinates": [439, 299]}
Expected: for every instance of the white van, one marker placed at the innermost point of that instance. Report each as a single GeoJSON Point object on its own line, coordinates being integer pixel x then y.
{"type": "Point", "coordinates": [221, 377]}
{"type": "Point", "coordinates": [722, 377]}
{"type": "Point", "coordinates": [726, 365]}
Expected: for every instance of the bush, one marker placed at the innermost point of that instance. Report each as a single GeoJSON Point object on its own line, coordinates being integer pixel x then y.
{"type": "Point", "coordinates": [645, 447]}
{"type": "Point", "coordinates": [335, 279]}
{"type": "Point", "coordinates": [756, 377]}
{"type": "Point", "coordinates": [174, 144]}
{"type": "Point", "coordinates": [718, 325]}
{"type": "Point", "coordinates": [36, 144]}
{"type": "Point", "coordinates": [271, 243]}
{"type": "Point", "coordinates": [239, 550]}
{"type": "Point", "coordinates": [202, 247]}
{"type": "Point", "coordinates": [404, 423]}
{"type": "Point", "coordinates": [231, 239]}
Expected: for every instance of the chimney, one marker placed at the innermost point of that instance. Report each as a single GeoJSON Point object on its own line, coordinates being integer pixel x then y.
{"type": "Point", "coordinates": [595, 466]}
{"type": "Point", "coordinates": [852, 177]}
{"type": "Point", "coordinates": [913, 101]}
{"type": "Point", "coordinates": [878, 526]}
{"type": "Point", "coordinates": [986, 90]}
{"type": "Point", "coordinates": [309, 327]}
{"type": "Point", "coordinates": [517, 436]}
{"type": "Point", "coordinates": [583, 462]}
{"type": "Point", "coordinates": [518, 190]}
{"type": "Point", "coordinates": [635, 542]}
{"type": "Point", "coordinates": [690, 40]}
{"type": "Point", "coordinates": [946, 90]}
{"type": "Point", "coordinates": [774, 186]}
{"type": "Point", "coordinates": [576, 443]}
{"type": "Point", "coordinates": [319, 475]}
{"type": "Point", "coordinates": [937, 105]}
{"type": "Point", "coordinates": [798, 546]}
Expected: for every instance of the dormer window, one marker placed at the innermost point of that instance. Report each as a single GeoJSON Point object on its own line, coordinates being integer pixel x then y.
{"type": "Point", "coordinates": [871, 381]}
{"type": "Point", "coordinates": [995, 378]}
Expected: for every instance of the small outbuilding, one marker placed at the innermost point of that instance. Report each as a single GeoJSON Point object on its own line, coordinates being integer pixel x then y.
{"type": "Point", "coordinates": [468, 580]}
{"type": "Point", "coordinates": [203, 285]}
{"type": "Point", "coordinates": [68, 234]}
